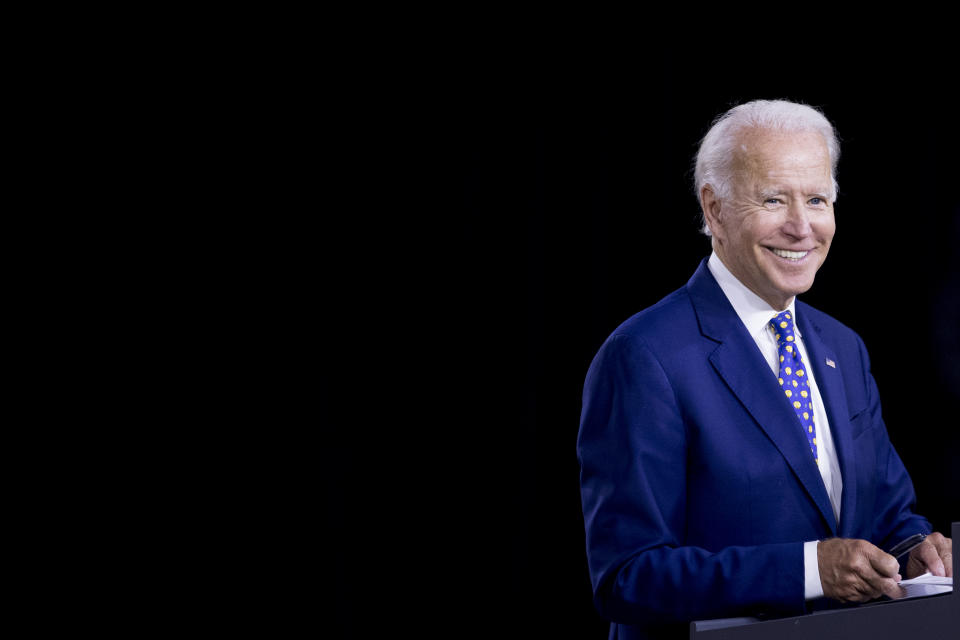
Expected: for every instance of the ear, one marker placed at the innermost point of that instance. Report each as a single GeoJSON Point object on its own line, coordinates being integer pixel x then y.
{"type": "Point", "coordinates": [710, 204]}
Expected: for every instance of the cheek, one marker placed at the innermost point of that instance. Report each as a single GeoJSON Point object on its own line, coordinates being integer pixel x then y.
{"type": "Point", "coordinates": [827, 227]}
{"type": "Point", "coordinates": [762, 225]}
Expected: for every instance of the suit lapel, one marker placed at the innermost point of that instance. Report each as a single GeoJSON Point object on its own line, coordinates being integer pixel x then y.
{"type": "Point", "coordinates": [741, 365]}
{"type": "Point", "coordinates": [830, 383]}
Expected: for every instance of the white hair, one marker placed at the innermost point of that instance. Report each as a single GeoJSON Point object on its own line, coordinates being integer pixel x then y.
{"type": "Point", "coordinates": [714, 158]}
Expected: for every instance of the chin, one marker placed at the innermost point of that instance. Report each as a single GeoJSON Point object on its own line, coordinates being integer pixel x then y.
{"type": "Point", "coordinates": [796, 288]}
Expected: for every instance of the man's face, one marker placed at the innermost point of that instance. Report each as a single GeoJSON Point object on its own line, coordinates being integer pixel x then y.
{"type": "Point", "coordinates": [775, 230]}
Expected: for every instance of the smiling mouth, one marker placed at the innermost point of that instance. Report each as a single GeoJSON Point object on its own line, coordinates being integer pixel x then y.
{"type": "Point", "coordinates": [789, 255]}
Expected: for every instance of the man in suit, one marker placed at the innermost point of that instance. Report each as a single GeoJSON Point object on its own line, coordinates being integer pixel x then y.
{"type": "Point", "coordinates": [734, 460]}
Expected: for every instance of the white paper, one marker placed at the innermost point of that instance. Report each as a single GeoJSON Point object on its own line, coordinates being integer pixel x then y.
{"type": "Point", "coordinates": [926, 585]}
{"type": "Point", "coordinates": [927, 578]}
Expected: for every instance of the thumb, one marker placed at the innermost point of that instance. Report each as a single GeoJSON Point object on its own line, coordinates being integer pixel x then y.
{"type": "Point", "coordinates": [885, 564]}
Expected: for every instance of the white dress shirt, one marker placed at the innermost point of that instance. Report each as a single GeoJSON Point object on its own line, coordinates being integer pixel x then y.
{"type": "Point", "coordinates": [756, 314]}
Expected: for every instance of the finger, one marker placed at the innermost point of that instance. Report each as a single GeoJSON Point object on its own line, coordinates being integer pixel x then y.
{"type": "Point", "coordinates": [892, 589]}
{"type": "Point", "coordinates": [861, 591]}
{"type": "Point", "coordinates": [944, 547]}
{"type": "Point", "coordinates": [940, 541]}
{"type": "Point", "coordinates": [927, 554]}
{"type": "Point", "coordinates": [879, 584]}
{"type": "Point", "coordinates": [883, 563]}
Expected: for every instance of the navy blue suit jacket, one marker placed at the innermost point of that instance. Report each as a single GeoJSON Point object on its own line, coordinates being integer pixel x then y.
{"type": "Point", "coordinates": [697, 482]}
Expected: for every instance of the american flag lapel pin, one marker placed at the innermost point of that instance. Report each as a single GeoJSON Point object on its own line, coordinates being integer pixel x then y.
{"type": "Point", "coordinates": [831, 363]}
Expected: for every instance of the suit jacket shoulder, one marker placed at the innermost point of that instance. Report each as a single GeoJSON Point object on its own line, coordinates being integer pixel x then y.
{"type": "Point", "coordinates": [667, 329]}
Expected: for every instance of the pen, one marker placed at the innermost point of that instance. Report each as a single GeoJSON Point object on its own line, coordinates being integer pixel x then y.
{"type": "Point", "coordinates": [907, 545]}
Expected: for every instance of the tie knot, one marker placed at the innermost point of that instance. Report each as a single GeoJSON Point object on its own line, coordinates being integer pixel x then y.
{"type": "Point", "coordinates": [783, 327]}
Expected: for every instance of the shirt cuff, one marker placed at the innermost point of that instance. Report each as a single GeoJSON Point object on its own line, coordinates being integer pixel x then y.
{"type": "Point", "coordinates": [812, 588]}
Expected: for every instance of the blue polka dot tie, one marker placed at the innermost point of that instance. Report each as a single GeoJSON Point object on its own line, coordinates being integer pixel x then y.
{"type": "Point", "coordinates": [793, 377]}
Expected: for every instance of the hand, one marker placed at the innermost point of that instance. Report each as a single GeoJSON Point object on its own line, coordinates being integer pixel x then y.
{"type": "Point", "coordinates": [857, 571]}
{"type": "Point", "coordinates": [935, 554]}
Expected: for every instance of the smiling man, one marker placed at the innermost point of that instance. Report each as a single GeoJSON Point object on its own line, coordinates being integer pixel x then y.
{"type": "Point", "coordinates": [774, 229]}
{"type": "Point", "coordinates": [733, 455]}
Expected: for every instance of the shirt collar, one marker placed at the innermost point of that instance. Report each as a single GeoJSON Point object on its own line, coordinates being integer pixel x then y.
{"type": "Point", "coordinates": [753, 310]}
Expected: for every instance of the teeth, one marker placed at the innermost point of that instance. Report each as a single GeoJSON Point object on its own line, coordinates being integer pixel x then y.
{"type": "Point", "coordinates": [793, 255]}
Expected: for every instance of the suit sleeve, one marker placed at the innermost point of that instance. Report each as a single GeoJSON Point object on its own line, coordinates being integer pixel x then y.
{"type": "Point", "coordinates": [632, 449]}
{"type": "Point", "coordinates": [895, 498]}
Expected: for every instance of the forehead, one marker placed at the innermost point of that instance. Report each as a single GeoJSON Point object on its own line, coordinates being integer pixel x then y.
{"type": "Point", "coordinates": [764, 155]}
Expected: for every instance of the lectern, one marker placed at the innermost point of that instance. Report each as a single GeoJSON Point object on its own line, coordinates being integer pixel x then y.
{"type": "Point", "coordinates": [934, 617]}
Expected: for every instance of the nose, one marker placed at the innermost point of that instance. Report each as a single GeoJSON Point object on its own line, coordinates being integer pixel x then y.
{"type": "Point", "coordinates": [797, 223]}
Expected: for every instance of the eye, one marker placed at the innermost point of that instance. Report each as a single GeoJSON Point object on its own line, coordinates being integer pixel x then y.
{"type": "Point", "coordinates": [772, 201]}
{"type": "Point", "coordinates": [816, 201]}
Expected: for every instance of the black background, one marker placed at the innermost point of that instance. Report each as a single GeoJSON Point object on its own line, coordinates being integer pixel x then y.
{"type": "Point", "coordinates": [522, 210]}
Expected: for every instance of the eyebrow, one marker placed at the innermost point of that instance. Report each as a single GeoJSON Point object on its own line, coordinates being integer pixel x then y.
{"type": "Point", "coordinates": [770, 192]}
